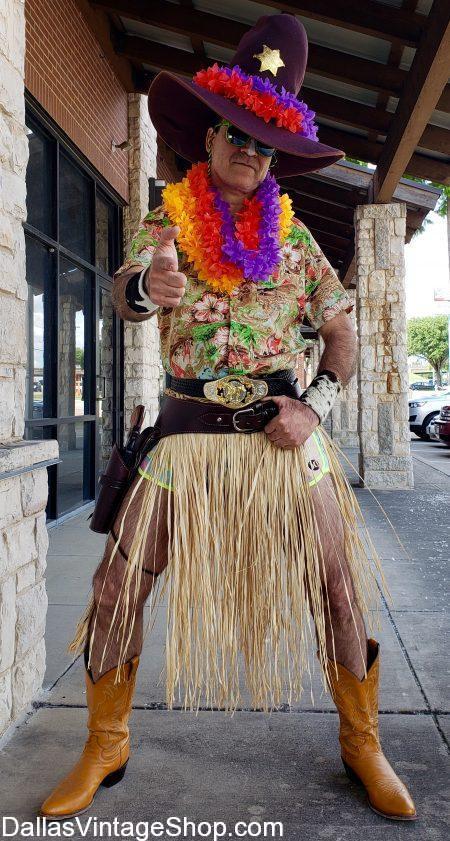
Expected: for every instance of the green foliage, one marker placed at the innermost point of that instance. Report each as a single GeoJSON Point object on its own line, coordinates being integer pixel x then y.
{"type": "Point", "coordinates": [79, 357]}
{"type": "Point", "coordinates": [428, 337]}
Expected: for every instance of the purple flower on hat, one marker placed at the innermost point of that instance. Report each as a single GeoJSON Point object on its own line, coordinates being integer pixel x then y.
{"type": "Point", "coordinates": [260, 96]}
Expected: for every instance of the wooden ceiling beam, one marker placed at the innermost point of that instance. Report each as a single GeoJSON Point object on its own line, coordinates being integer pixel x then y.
{"type": "Point", "coordinates": [348, 270]}
{"type": "Point", "coordinates": [180, 19]}
{"type": "Point", "coordinates": [318, 207]}
{"type": "Point", "coordinates": [369, 119]}
{"type": "Point", "coordinates": [359, 147]}
{"type": "Point", "coordinates": [227, 33]}
{"type": "Point", "coordinates": [304, 186]}
{"type": "Point", "coordinates": [334, 255]}
{"type": "Point", "coordinates": [331, 239]}
{"type": "Point", "coordinates": [318, 223]}
{"type": "Point", "coordinates": [100, 27]}
{"type": "Point", "coordinates": [159, 55]}
{"type": "Point", "coordinates": [384, 22]}
{"type": "Point", "coordinates": [388, 23]}
{"type": "Point", "coordinates": [426, 80]}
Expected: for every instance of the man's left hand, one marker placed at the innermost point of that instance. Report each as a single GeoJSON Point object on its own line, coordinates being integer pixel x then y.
{"type": "Point", "coordinates": [293, 425]}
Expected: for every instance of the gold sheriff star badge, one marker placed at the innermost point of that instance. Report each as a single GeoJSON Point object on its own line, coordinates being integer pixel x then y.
{"type": "Point", "coordinates": [270, 59]}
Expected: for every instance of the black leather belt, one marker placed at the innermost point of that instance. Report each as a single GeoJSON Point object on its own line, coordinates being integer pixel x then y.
{"type": "Point", "coordinates": [276, 383]}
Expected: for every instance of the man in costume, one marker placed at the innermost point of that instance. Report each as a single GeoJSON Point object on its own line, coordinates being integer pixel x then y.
{"type": "Point", "coordinates": [246, 512]}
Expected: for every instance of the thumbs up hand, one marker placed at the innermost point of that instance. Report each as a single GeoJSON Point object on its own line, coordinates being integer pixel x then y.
{"type": "Point", "coordinates": [164, 283]}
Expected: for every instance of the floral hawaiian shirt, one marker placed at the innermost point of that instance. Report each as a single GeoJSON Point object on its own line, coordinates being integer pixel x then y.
{"type": "Point", "coordinates": [255, 329]}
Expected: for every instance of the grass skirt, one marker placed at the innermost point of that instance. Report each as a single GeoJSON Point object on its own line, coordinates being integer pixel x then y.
{"type": "Point", "coordinates": [244, 539]}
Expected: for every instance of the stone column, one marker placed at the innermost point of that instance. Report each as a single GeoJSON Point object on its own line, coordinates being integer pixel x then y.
{"type": "Point", "coordinates": [344, 414]}
{"type": "Point", "coordinates": [141, 340]}
{"type": "Point", "coordinates": [23, 474]}
{"type": "Point", "coordinates": [385, 458]}
{"type": "Point", "coordinates": [314, 358]}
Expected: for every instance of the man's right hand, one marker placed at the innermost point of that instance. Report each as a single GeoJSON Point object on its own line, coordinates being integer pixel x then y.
{"type": "Point", "coordinates": [164, 283]}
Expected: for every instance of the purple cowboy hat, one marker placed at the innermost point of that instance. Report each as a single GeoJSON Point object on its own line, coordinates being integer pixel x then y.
{"type": "Point", "coordinates": [270, 63]}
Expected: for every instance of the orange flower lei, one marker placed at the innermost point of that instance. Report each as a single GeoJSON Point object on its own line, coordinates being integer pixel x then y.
{"type": "Point", "coordinates": [191, 204]}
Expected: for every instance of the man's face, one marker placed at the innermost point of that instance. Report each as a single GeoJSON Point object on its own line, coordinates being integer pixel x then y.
{"type": "Point", "coordinates": [238, 168]}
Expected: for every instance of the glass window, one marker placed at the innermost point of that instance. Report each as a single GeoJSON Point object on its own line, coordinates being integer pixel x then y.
{"type": "Point", "coordinates": [74, 452]}
{"type": "Point", "coordinates": [75, 209]}
{"type": "Point", "coordinates": [105, 378]}
{"type": "Point", "coordinates": [40, 182]}
{"type": "Point", "coordinates": [40, 433]}
{"type": "Point", "coordinates": [74, 347]}
{"type": "Point", "coordinates": [73, 383]}
{"type": "Point", "coordinates": [104, 235]}
{"type": "Point", "coordinates": [39, 262]}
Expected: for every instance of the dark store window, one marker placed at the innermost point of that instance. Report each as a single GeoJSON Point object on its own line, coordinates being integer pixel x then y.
{"type": "Point", "coordinates": [73, 386]}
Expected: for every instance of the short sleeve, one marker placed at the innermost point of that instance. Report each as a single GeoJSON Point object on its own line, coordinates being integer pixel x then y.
{"type": "Point", "coordinates": [325, 294]}
{"type": "Point", "coordinates": [144, 241]}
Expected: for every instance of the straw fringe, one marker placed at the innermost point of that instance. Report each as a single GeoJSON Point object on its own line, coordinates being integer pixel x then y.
{"type": "Point", "coordinates": [245, 537]}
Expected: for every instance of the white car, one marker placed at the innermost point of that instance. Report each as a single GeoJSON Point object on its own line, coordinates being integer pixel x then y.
{"type": "Point", "coordinates": [422, 410]}
{"type": "Point", "coordinates": [432, 431]}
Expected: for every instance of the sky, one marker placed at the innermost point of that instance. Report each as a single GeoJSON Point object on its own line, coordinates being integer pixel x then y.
{"type": "Point", "coordinates": [427, 268]}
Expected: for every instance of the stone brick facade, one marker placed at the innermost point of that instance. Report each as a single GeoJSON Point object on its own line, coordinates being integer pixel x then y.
{"type": "Point", "coordinates": [344, 414]}
{"type": "Point", "coordinates": [385, 458]}
{"type": "Point", "coordinates": [23, 476]}
{"type": "Point", "coordinates": [143, 370]}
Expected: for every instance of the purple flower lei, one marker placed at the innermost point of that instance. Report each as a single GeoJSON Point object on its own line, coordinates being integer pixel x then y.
{"type": "Point", "coordinates": [283, 97]}
{"type": "Point", "coordinates": [256, 264]}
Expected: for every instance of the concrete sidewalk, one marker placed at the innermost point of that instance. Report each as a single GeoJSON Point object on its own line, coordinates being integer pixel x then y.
{"type": "Point", "coordinates": [283, 767]}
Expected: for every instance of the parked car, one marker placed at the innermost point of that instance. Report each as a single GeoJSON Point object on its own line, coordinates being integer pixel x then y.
{"type": "Point", "coordinates": [442, 424]}
{"type": "Point", "coordinates": [427, 385]}
{"type": "Point", "coordinates": [432, 430]}
{"type": "Point", "coordinates": [423, 410]}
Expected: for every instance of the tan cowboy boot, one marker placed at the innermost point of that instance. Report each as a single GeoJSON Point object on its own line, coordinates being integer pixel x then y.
{"type": "Point", "coordinates": [361, 753]}
{"type": "Point", "coordinates": [105, 754]}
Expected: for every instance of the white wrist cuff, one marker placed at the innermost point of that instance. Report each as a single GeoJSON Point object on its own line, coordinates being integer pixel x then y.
{"type": "Point", "coordinates": [146, 302]}
{"type": "Point", "coordinates": [321, 393]}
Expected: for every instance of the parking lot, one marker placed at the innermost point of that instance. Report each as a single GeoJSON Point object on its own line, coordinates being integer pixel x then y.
{"type": "Point", "coordinates": [431, 453]}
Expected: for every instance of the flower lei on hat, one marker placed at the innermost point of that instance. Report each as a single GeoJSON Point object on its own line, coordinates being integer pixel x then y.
{"type": "Point", "coordinates": [225, 251]}
{"type": "Point", "coordinates": [259, 95]}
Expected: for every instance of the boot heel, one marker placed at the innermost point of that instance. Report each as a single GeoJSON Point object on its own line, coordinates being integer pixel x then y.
{"type": "Point", "coordinates": [114, 777]}
{"type": "Point", "coordinates": [350, 773]}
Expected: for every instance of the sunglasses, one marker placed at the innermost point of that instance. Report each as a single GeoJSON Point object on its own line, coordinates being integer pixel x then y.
{"type": "Point", "coordinates": [239, 138]}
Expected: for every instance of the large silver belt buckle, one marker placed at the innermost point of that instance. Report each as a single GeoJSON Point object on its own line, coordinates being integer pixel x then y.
{"type": "Point", "coordinates": [235, 390]}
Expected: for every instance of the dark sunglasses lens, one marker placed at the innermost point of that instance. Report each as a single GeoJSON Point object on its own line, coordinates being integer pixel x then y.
{"type": "Point", "coordinates": [236, 136]}
{"type": "Point", "coordinates": [239, 138]}
{"type": "Point", "coordinates": [267, 151]}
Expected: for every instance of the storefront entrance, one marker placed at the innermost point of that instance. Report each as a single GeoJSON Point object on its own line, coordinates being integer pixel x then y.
{"type": "Point", "coordinates": [73, 383]}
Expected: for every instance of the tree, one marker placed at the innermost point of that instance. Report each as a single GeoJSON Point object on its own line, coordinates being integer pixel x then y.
{"type": "Point", "coordinates": [428, 337]}
{"type": "Point", "coordinates": [79, 357]}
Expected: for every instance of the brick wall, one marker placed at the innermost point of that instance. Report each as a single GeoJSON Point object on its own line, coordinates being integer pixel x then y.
{"type": "Point", "coordinates": [67, 73]}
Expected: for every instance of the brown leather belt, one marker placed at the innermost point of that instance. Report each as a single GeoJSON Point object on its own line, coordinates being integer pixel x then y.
{"type": "Point", "coordinates": [188, 415]}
